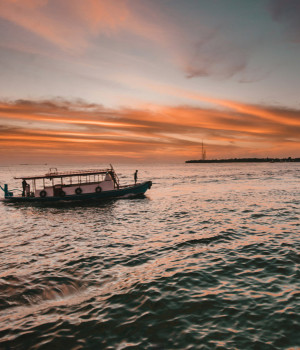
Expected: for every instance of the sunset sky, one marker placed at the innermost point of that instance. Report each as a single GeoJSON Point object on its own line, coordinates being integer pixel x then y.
{"type": "Point", "coordinates": [148, 80]}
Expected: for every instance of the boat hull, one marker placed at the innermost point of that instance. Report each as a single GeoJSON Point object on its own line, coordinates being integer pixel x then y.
{"type": "Point", "coordinates": [128, 191]}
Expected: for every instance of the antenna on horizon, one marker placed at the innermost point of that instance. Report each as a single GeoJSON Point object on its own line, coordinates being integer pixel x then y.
{"type": "Point", "coordinates": [203, 151]}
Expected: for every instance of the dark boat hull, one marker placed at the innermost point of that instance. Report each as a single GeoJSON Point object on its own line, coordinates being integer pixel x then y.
{"type": "Point", "coordinates": [128, 191]}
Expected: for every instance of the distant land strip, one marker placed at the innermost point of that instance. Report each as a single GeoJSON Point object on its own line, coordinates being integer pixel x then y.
{"type": "Point", "coordinates": [245, 160]}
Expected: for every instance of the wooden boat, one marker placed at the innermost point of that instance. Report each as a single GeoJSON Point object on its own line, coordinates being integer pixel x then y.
{"type": "Point", "coordinates": [84, 185]}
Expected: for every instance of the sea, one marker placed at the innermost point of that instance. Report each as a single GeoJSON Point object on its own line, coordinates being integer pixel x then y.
{"type": "Point", "coordinates": [207, 259]}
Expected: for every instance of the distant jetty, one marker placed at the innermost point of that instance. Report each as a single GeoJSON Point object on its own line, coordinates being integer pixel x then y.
{"type": "Point", "coordinates": [245, 160]}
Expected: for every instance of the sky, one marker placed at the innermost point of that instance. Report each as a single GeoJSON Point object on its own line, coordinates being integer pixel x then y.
{"type": "Point", "coordinates": [148, 80]}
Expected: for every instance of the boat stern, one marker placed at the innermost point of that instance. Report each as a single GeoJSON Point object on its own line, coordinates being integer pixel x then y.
{"type": "Point", "coordinates": [7, 194]}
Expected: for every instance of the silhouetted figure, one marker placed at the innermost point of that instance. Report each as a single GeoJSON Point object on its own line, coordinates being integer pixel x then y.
{"type": "Point", "coordinates": [24, 184]}
{"type": "Point", "coordinates": [135, 177]}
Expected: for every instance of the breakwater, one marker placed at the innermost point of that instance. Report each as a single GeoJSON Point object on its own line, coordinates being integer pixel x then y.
{"type": "Point", "coordinates": [245, 160]}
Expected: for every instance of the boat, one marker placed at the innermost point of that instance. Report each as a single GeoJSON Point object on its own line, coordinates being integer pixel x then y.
{"type": "Point", "coordinates": [83, 185]}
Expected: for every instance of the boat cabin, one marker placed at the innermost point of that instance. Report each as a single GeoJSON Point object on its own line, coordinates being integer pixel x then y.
{"type": "Point", "coordinates": [60, 184]}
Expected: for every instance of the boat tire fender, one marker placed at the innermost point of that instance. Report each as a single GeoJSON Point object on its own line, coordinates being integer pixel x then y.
{"type": "Point", "coordinates": [98, 189]}
{"type": "Point", "coordinates": [62, 193]}
{"type": "Point", "coordinates": [78, 190]}
{"type": "Point", "coordinates": [43, 193]}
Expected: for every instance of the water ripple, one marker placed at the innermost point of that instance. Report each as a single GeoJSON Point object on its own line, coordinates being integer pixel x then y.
{"type": "Point", "coordinates": [209, 259]}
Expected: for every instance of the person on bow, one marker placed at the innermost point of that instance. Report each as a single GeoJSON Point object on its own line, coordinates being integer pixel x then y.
{"type": "Point", "coordinates": [135, 176]}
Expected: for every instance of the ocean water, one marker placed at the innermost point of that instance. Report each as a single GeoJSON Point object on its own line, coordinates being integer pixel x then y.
{"type": "Point", "coordinates": [208, 259]}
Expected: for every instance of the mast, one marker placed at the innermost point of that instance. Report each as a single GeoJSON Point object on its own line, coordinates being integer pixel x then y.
{"type": "Point", "coordinates": [203, 151]}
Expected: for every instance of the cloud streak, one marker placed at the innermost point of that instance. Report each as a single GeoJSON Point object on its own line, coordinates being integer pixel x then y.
{"type": "Point", "coordinates": [61, 128]}
{"type": "Point", "coordinates": [76, 26]}
{"type": "Point", "coordinates": [72, 24]}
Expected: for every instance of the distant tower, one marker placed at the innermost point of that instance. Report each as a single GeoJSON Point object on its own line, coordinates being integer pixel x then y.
{"type": "Point", "coordinates": [203, 152]}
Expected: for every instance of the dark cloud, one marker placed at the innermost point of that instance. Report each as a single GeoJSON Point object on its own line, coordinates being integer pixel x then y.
{"type": "Point", "coordinates": [57, 103]}
{"type": "Point", "coordinates": [215, 55]}
{"type": "Point", "coordinates": [288, 13]}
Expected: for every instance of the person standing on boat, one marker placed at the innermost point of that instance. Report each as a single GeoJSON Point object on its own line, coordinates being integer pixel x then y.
{"type": "Point", "coordinates": [135, 177]}
{"type": "Point", "coordinates": [24, 185]}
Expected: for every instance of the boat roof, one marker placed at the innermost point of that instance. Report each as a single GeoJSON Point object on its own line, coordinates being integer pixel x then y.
{"type": "Point", "coordinates": [60, 174]}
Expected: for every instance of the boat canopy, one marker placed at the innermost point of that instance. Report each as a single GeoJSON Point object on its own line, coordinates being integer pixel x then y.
{"type": "Point", "coordinates": [60, 174]}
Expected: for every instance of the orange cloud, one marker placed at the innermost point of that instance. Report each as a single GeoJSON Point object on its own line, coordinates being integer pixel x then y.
{"type": "Point", "coordinates": [77, 25]}
{"type": "Point", "coordinates": [59, 128]}
{"type": "Point", "coordinates": [71, 24]}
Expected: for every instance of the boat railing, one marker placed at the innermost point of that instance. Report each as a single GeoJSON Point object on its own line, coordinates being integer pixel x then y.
{"type": "Point", "coordinates": [53, 173]}
{"type": "Point", "coordinates": [76, 173]}
{"type": "Point", "coordinates": [115, 176]}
